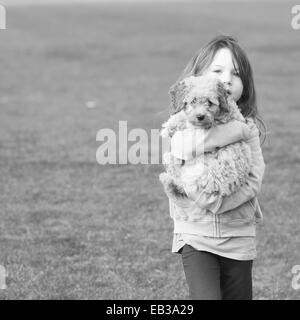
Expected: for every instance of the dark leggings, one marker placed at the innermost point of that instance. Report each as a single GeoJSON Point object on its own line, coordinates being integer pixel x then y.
{"type": "Point", "coordinates": [213, 277]}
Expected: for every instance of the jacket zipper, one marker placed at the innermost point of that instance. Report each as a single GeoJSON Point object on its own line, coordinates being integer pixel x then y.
{"type": "Point", "coordinates": [217, 226]}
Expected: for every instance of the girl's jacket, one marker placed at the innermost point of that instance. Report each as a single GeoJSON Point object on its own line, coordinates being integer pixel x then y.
{"type": "Point", "coordinates": [217, 216]}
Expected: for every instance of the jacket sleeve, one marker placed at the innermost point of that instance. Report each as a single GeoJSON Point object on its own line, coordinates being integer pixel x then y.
{"type": "Point", "coordinates": [188, 143]}
{"type": "Point", "coordinates": [219, 204]}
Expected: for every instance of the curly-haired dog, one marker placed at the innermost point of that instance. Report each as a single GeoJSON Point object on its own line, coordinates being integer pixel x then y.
{"type": "Point", "coordinates": [203, 102]}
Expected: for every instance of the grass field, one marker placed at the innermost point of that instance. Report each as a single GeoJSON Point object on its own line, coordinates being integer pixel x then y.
{"type": "Point", "coordinates": [73, 229]}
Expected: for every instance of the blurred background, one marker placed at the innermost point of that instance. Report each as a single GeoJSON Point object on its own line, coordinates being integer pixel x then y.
{"type": "Point", "coordinates": [73, 229]}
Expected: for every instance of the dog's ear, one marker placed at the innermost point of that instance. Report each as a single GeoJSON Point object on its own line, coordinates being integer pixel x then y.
{"type": "Point", "coordinates": [214, 100]}
{"type": "Point", "coordinates": [222, 97]}
{"type": "Point", "coordinates": [177, 93]}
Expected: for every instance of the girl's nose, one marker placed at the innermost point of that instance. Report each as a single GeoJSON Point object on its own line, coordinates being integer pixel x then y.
{"type": "Point", "coordinates": [226, 78]}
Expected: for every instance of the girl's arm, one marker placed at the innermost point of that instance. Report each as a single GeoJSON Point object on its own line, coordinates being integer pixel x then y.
{"type": "Point", "coordinates": [219, 204]}
{"type": "Point", "coordinates": [187, 144]}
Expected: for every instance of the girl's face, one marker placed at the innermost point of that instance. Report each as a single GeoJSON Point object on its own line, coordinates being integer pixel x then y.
{"type": "Point", "coordinates": [225, 68]}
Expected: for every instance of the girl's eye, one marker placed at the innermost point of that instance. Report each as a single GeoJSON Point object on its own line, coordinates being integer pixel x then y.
{"type": "Point", "coordinates": [217, 71]}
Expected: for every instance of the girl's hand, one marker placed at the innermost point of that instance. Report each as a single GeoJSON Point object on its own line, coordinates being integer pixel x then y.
{"type": "Point", "coordinates": [252, 130]}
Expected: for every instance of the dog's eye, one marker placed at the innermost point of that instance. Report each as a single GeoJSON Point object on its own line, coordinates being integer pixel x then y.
{"type": "Point", "coordinates": [209, 103]}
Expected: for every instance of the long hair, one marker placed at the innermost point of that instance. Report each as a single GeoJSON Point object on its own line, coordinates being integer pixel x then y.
{"type": "Point", "coordinates": [202, 60]}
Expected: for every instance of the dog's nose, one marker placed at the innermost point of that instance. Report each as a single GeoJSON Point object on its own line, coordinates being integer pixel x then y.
{"type": "Point", "coordinates": [200, 118]}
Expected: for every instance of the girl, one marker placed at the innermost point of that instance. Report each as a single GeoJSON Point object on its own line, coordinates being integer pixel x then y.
{"type": "Point", "coordinates": [216, 235]}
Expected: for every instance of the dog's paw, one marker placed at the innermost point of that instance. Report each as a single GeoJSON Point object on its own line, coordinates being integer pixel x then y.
{"type": "Point", "coordinates": [164, 178]}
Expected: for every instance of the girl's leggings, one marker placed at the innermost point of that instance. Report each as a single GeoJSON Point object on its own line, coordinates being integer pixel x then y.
{"type": "Point", "coordinates": [213, 277]}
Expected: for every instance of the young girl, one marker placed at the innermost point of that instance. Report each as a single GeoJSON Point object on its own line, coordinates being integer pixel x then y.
{"type": "Point", "coordinates": [216, 235]}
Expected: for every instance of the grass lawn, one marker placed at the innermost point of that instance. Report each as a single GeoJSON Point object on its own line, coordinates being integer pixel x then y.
{"type": "Point", "coordinates": [73, 229]}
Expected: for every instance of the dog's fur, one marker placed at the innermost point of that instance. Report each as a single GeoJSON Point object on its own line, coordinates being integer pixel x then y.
{"type": "Point", "coordinates": [202, 102]}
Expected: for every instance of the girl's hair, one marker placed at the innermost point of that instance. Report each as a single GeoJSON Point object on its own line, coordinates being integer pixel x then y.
{"type": "Point", "coordinates": [202, 60]}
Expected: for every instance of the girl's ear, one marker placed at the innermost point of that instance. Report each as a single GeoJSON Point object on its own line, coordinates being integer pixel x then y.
{"type": "Point", "coordinates": [177, 93]}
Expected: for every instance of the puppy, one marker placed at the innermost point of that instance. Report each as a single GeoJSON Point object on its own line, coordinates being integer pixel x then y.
{"type": "Point", "coordinates": [202, 102]}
